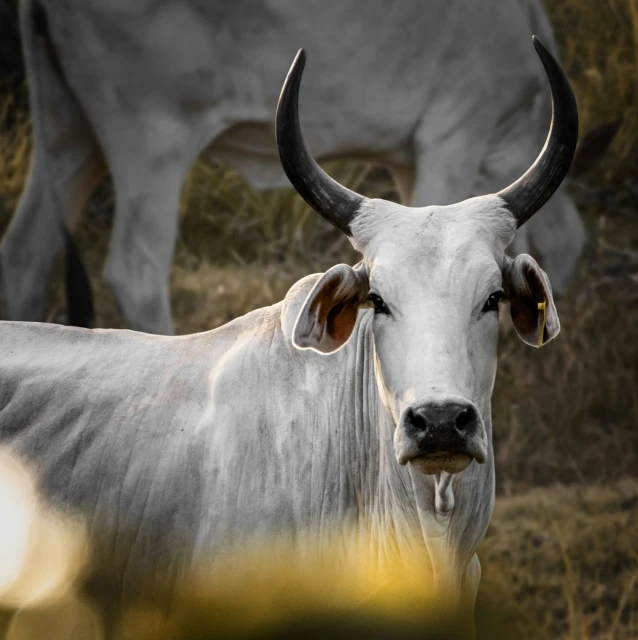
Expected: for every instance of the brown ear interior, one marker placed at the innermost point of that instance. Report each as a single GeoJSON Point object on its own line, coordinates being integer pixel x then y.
{"type": "Point", "coordinates": [530, 286]}
{"type": "Point", "coordinates": [329, 314]}
{"type": "Point", "coordinates": [341, 320]}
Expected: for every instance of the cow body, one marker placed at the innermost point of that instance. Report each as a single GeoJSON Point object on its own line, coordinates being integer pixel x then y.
{"type": "Point", "coordinates": [149, 439]}
{"type": "Point", "coordinates": [144, 87]}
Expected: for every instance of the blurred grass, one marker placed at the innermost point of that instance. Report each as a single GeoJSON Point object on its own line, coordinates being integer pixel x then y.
{"type": "Point", "coordinates": [563, 561]}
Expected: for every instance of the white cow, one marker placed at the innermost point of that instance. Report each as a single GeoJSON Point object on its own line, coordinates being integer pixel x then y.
{"type": "Point", "coordinates": [145, 86]}
{"type": "Point", "coordinates": [314, 411]}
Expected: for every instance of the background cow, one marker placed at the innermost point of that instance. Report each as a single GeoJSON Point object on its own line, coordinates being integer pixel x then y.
{"type": "Point", "coordinates": [143, 88]}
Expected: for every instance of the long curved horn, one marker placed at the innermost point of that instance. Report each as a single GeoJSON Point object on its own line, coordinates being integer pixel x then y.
{"type": "Point", "coordinates": [533, 189]}
{"type": "Point", "coordinates": [327, 197]}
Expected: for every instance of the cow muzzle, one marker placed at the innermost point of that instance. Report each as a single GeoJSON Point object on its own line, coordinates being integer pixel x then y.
{"type": "Point", "coordinates": [441, 436]}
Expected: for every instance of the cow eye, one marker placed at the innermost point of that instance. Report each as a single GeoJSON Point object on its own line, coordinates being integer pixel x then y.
{"type": "Point", "coordinates": [378, 304]}
{"type": "Point", "coordinates": [492, 301]}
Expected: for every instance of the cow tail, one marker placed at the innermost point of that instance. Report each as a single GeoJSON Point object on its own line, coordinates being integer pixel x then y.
{"type": "Point", "coordinates": [40, 55]}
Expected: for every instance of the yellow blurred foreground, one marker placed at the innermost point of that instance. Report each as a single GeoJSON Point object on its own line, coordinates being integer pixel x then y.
{"type": "Point", "coordinates": [560, 562]}
{"type": "Point", "coordinates": [41, 557]}
{"type": "Point", "coordinates": [261, 592]}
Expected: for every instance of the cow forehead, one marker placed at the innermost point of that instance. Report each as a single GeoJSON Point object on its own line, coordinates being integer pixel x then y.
{"type": "Point", "coordinates": [434, 245]}
{"type": "Point", "coordinates": [435, 270]}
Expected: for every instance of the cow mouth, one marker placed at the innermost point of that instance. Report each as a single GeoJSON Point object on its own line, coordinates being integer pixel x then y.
{"type": "Point", "coordinates": [444, 447]}
{"type": "Point", "coordinates": [449, 461]}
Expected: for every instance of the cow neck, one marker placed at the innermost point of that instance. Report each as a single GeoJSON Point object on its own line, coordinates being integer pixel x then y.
{"type": "Point", "coordinates": [387, 504]}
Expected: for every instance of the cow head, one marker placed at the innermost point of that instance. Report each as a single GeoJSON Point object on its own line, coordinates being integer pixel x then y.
{"type": "Point", "coordinates": [434, 277]}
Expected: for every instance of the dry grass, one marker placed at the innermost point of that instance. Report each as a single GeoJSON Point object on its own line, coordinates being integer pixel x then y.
{"type": "Point", "coordinates": [569, 411]}
{"type": "Point", "coordinates": [563, 563]}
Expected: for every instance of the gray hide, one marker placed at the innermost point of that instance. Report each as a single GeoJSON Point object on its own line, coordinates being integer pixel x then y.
{"type": "Point", "coordinates": [446, 93]}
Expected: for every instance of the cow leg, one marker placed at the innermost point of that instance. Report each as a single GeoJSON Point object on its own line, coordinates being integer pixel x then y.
{"type": "Point", "coordinates": [57, 188]}
{"type": "Point", "coordinates": [404, 178]}
{"type": "Point", "coordinates": [149, 154]}
{"type": "Point", "coordinates": [141, 251]}
{"type": "Point", "coordinates": [66, 165]}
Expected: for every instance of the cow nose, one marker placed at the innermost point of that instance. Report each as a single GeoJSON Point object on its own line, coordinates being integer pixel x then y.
{"type": "Point", "coordinates": [433, 416]}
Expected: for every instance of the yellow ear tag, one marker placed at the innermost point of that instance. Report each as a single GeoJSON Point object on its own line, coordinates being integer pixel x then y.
{"type": "Point", "coordinates": [542, 306]}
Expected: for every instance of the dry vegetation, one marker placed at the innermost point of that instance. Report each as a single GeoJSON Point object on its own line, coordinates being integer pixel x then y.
{"type": "Point", "coordinates": [561, 559]}
{"type": "Point", "coordinates": [563, 563]}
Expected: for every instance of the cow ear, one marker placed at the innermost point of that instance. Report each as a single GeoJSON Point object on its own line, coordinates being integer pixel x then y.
{"type": "Point", "coordinates": [329, 313]}
{"type": "Point", "coordinates": [531, 302]}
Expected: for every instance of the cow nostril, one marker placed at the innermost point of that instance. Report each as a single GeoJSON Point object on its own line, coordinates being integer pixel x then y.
{"type": "Point", "coordinates": [463, 419]}
{"type": "Point", "coordinates": [419, 422]}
